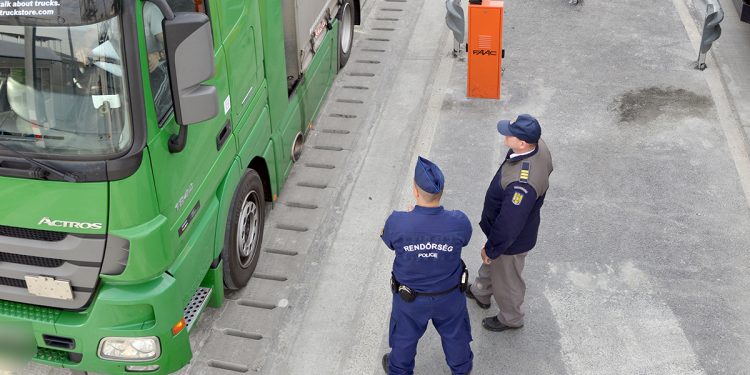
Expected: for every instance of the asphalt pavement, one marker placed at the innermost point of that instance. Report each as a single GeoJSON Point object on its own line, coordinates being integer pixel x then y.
{"type": "Point", "coordinates": [641, 265]}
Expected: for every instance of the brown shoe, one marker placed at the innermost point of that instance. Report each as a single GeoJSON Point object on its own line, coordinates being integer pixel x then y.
{"type": "Point", "coordinates": [385, 363]}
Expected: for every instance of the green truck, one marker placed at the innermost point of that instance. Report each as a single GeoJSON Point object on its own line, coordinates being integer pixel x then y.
{"type": "Point", "coordinates": [141, 144]}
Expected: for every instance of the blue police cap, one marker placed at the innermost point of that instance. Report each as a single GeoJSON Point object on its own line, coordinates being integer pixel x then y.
{"type": "Point", "coordinates": [428, 176]}
{"type": "Point", "coordinates": [525, 128]}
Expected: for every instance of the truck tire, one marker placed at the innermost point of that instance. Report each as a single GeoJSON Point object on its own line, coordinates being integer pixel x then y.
{"type": "Point", "coordinates": [244, 231]}
{"type": "Point", "coordinates": [346, 31]}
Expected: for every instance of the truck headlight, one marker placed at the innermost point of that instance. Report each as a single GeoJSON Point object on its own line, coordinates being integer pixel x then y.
{"type": "Point", "coordinates": [136, 349]}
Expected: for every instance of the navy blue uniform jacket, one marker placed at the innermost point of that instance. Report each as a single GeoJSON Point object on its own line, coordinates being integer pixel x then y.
{"type": "Point", "coordinates": [428, 243]}
{"type": "Point", "coordinates": [510, 226]}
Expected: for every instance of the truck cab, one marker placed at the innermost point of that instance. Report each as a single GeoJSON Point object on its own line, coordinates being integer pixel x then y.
{"type": "Point", "coordinates": [141, 145]}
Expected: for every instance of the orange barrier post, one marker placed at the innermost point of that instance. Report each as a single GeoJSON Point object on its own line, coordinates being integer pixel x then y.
{"type": "Point", "coordinates": [485, 53]}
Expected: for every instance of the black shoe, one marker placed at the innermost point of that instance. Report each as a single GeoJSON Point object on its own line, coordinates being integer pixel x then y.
{"type": "Point", "coordinates": [494, 325]}
{"type": "Point", "coordinates": [385, 363]}
{"type": "Point", "coordinates": [470, 295]}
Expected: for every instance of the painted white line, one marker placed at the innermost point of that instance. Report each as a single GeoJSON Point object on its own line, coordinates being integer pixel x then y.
{"type": "Point", "coordinates": [611, 323]}
{"type": "Point", "coordinates": [730, 125]}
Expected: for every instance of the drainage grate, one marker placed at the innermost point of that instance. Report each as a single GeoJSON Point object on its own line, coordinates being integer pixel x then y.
{"type": "Point", "coordinates": [342, 115]}
{"type": "Point", "coordinates": [329, 148]}
{"type": "Point", "coordinates": [281, 252]}
{"type": "Point", "coordinates": [256, 304]}
{"type": "Point", "coordinates": [305, 206]}
{"type": "Point", "coordinates": [244, 335]}
{"type": "Point", "coordinates": [320, 165]}
{"type": "Point", "coordinates": [270, 277]}
{"type": "Point", "coordinates": [195, 306]}
{"type": "Point", "coordinates": [294, 228]}
{"type": "Point", "coordinates": [312, 185]}
{"type": "Point", "coordinates": [229, 366]}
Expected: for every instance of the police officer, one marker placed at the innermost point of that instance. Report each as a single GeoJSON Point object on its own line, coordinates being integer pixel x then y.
{"type": "Point", "coordinates": [427, 276]}
{"type": "Point", "coordinates": [510, 220]}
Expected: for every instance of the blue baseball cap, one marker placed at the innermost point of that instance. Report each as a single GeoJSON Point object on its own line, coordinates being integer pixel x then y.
{"type": "Point", "coordinates": [525, 128]}
{"type": "Point", "coordinates": [428, 176]}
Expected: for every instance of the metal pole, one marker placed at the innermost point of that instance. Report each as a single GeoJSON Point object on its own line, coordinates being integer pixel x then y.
{"type": "Point", "coordinates": [454, 18]}
{"type": "Point", "coordinates": [711, 31]}
{"type": "Point", "coordinates": [701, 61]}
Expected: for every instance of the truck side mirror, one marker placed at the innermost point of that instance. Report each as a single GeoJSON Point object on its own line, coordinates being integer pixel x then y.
{"type": "Point", "coordinates": [190, 54]}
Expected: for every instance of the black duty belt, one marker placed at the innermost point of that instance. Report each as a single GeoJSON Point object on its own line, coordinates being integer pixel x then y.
{"type": "Point", "coordinates": [409, 294]}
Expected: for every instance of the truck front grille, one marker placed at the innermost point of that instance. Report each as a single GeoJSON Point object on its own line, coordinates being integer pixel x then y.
{"type": "Point", "coordinates": [31, 260]}
{"type": "Point", "coordinates": [12, 282]}
{"type": "Point", "coordinates": [31, 234]}
{"type": "Point", "coordinates": [74, 259]}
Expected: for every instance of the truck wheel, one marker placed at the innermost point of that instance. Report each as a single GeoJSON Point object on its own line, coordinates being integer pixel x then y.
{"type": "Point", "coordinates": [346, 31]}
{"type": "Point", "coordinates": [244, 233]}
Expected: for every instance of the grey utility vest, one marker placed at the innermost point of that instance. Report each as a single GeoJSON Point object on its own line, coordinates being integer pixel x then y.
{"type": "Point", "coordinates": [534, 170]}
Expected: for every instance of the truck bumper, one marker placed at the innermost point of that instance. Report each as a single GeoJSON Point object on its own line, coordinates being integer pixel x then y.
{"type": "Point", "coordinates": [142, 310]}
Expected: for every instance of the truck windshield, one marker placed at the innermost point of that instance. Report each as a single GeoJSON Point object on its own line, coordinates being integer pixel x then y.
{"type": "Point", "coordinates": [62, 90]}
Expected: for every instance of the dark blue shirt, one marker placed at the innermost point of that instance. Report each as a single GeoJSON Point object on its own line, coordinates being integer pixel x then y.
{"type": "Point", "coordinates": [428, 243]}
{"type": "Point", "coordinates": [511, 226]}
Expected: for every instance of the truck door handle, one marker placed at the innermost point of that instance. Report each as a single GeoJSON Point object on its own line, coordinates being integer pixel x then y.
{"type": "Point", "coordinates": [223, 134]}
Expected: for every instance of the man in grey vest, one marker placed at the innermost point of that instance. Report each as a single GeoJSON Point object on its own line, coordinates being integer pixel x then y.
{"type": "Point", "coordinates": [510, 220]}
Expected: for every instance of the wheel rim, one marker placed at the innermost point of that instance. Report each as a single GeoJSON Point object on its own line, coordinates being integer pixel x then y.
{"type": "Point", "coordinates": [347, 24]}
{"type": "Point", "coordinates": [248, 229]}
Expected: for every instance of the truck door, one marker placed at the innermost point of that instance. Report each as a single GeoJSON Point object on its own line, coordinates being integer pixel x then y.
{"type": "Point", "coordinates": [186, 181]}
{"type": "Point", "coordinates": [240, 32]}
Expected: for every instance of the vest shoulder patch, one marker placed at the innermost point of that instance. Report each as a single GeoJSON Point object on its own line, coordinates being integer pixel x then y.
{"type": "Point", "coordinates": [525, 172]}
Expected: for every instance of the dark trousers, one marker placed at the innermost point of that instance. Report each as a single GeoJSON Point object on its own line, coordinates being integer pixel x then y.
{"type": "Point", "coordinates": [409, 321]}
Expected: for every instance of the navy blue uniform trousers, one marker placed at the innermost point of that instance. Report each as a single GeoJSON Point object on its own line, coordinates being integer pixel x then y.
{"type": "Point", "coordinates": [409, 321]}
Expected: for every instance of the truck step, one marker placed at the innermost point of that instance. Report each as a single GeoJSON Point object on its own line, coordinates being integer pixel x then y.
{"type": "Point", "coordinates": [195, 307]}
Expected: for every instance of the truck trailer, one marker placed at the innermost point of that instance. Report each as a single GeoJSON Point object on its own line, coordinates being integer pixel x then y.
{"type": "Point", "coordinates": [142, 143]}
